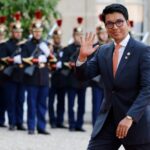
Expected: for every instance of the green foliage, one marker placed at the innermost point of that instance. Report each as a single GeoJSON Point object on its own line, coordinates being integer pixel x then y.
{"type": "Point", "coordinates": [27, 9]}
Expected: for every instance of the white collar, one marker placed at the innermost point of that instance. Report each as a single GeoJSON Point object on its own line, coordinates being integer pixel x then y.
{"type": "Point", "coordinates": [125, 41]}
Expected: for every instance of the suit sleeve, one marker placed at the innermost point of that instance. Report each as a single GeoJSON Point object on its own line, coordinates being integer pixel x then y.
{"type": "Point", "coordinates": [89, 69]}
{"type": "Point", "coordinates": [143, 99]}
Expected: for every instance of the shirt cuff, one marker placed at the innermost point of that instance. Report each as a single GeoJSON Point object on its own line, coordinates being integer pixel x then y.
{"type": "Point", "coordinates": [17, 59]}
{"type": "Point", "coordinates": [42, 59]}
{"type": "Point", "coordinates": [79, 63]}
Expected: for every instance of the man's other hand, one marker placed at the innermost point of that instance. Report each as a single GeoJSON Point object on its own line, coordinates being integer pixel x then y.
{"type": "Point", "coordinates": [123, 127]}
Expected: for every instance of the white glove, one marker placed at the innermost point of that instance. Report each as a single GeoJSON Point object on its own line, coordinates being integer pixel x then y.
{"type": "Point", "coordinates": [17, 59]}
{"type": "Point", "coordinates": [59, 65]}
{"type": "Point", "coordinates": [44, 48]}
{"type": "Point", "coordinates": [61, 54]}
{"type": "Point", "coordinates": [42, 59]}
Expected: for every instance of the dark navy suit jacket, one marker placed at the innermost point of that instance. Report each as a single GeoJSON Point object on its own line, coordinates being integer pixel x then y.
{"type": "Point", "coordinates": [128, 93]}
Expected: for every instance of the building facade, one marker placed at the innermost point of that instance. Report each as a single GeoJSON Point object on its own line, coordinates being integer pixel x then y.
{"type": "Point", "coordinates": [90, 10]}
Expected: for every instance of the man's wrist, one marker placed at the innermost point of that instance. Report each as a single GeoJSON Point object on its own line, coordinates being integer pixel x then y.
{"type": "Point", "coordinates": [129, 117]}
{"type": "Point", "coordinates": [82, 59]}
{"type": "Point", "coordinates": [79, 62]}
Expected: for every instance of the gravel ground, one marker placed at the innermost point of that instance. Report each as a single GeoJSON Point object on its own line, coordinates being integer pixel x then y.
{"type": "Point", "coordinates": [60, 139]}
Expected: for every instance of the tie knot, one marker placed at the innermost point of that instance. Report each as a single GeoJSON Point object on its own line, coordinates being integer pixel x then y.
{"type": "Point", "coordinates": [117, 46]}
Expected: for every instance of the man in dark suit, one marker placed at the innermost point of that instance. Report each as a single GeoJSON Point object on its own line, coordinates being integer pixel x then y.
{"type": "Point", "coordinates": [124, 116]}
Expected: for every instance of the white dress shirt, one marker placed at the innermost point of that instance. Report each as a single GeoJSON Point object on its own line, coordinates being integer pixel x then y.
{"type": "Point", "coordinates": [123, 44]}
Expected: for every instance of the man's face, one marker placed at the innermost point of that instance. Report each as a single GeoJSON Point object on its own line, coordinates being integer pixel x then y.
{"type": "Point", "coordinates": [77, 37]}
{"type": "Point", "coordinates": [17, 35]}
{"type": "Point", "coordinates": [57, 39]}
{"type": "Point", "coordinates": [37, 34]}
{"type": "Point", "coordinates": [2, 36]}
{"type": "Point", "coordinates": [117, 27]}
{"type": "Point", "coordinates": [103, 36]}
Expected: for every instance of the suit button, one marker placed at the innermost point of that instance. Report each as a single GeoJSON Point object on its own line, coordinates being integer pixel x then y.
{"type": "Point", "coordinates": [113, 92]}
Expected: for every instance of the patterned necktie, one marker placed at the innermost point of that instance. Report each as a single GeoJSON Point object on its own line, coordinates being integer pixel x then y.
{"type": "Point", "coordinates": [115, 58]}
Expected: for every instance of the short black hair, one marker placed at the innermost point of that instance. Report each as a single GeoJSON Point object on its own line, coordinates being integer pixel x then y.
{"type": "Point", "coordinates": [115, 8]}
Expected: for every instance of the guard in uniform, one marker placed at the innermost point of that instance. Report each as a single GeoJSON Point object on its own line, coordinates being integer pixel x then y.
{"type": "Point", "coordinates": [2, 65]}
{"type": "Point", "coordinates": [14, 88]}
{"type": "Point", "coordinates": [36, 78]}
{"type": "Point", "coordinates": [58, 82]}
{"type": "Point", "coordinates": [75, 88]}
{"type": "Point", "coordinates": [96, 83]}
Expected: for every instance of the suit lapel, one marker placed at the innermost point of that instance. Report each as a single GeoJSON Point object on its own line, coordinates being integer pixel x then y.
{"type": "Point", "coordinates": [108, 59]}
{"type": "Point", "coordinates": [125, 57]}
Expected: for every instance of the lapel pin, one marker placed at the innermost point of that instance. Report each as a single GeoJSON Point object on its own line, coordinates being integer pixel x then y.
{"type": "Point", "coordinates": [128, 53]}
{"type": "Point", "coordinates": [126, 57]}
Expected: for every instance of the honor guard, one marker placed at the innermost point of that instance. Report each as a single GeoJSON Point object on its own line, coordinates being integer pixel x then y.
{"type": "Point", "coordinates": [36, 77]}
{"type": "Point", "coordinates": [2, 65]}
{"type": "Point", "coordinates": [75, 88]}
{"type": "Point", "coordinates": [58, 82]}
{"type": "Point", "coordinates": [96, 83]}
{"type": "Point", "coordinates": [102, 35]}
{"type": "Point", "coordinates": [14, 72]}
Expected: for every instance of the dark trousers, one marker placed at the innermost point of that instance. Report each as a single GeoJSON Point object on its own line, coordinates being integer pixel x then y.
{"type": "Point", "coordinates": [107, 140]}
{"type": "Point", "coordinates": [97, 97]}
{"type": "Point", "coordinates": [36, 101]}
{"type": "Point", "coordinates": [20, 98]}
{"type": "Point", "coordinates": [72, 93]}
{"type": "Point", "coordinates": [56, 116]}
{"type": "Point", "coordinates": [14, 94]}
{"type": "Point", "coordinates": [2, 105]}
{"type": "Point", "coordinates": [138, 147]}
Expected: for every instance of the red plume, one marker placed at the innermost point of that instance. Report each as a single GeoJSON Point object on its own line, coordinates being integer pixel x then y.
{"type": "Point", "coordinates": [131, 23]}
{"type": "Point", "coordinates": [79, 20]}
{"type": "Point", "coordinates": [100, 17]}
{"type": "Point", "coordinates": [59, 22]}
{"type": "Point", "coordinates": [38, 14]}
{"type": "Point", "coordinates": [17, 16]}
{"type": "Point", "coordinates": [2, 19]}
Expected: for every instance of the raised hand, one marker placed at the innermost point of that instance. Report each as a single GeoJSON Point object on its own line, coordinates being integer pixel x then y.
{"type": "Point", "coordinates": [87, 46]}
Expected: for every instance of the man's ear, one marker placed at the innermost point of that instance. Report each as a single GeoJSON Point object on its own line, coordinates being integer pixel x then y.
{"type": "Point", "coordinates": [128, 23]}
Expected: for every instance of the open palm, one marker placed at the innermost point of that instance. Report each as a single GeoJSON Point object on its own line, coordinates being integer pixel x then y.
{"type": "Point", "coordinates": [87, 46]}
